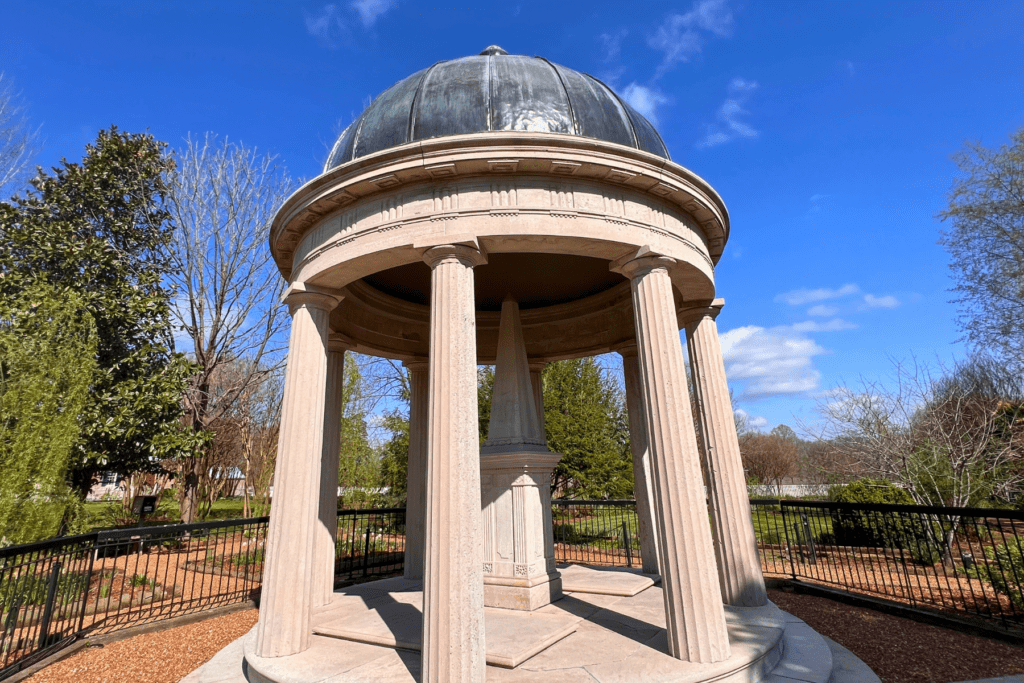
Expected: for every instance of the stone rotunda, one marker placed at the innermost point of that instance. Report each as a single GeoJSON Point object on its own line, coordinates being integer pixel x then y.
{"type": "Point", "coordinates": [506, 210]}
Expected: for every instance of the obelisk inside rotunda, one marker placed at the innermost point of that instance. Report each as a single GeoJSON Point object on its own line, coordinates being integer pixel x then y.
{"type": "Point", "coordinates": [502, 209]}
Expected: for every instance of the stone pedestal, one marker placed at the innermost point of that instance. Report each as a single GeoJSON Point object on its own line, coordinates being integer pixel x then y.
{"type": "Point", "coordinates": [694, 615]}
{"type": "Point", "coordinates": [288, 577]}
{"type": "Point", "coordinates": [519, 552]}
{"type": "Point", "coordinates": [516, 467]}
{"type": "Point", "coordinates": [453, 595]}
{"type": "Point", "coordinates": [739, 567]}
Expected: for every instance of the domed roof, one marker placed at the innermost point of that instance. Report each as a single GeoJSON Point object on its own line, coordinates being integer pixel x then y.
{"type": "Point", "coordinates": [494, 91]}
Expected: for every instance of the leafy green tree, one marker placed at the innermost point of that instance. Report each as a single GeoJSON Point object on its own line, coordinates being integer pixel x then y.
{"type": "Point", "coordinates": [358, 464]}
{"type": "Point", "coordinates": [47, 359]}
{"type": "Point", "coordinates": [99, 229]}
{"type": "Point", "coordinates": [585, 420]}
{"type": "Point", "coordinates": [394, 457]}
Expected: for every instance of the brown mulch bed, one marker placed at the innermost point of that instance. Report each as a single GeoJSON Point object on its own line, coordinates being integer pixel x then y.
{"type": "Point", "coordinates": [163, 657]}
{"type": "Point", "coordinates": [901, 650]}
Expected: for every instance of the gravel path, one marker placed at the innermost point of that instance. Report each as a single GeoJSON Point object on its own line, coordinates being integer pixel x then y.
{"type": "Point", "coordinates": [899, 650]}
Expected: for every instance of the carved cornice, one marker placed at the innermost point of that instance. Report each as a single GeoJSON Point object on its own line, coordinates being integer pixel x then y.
{"type": "Point", "coordinates": [505, 157]}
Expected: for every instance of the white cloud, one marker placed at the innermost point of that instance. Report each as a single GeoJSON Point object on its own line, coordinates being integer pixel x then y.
{"type": "Point", "coordinates": [772, 362]}
{"type": "Point", "coordinates": [833, 325]}
{"type": "Point", "coordinates": [645, 100]}
{"type": "Point", "coordinates": [682, 36]}
{"type": "Point", "coordinates": [730, 126]}
{"type": "Point", "coordinates": [327, 24]}
{"type": "Point", "coordinates": [611, 43]}
{"type": "Point", "coordinates": [370, 10]}
{"type": "Point", "coordinates": [332, 23]}
{"type": "Point", "coordinates": [753, 421]}
{"type": "Point", "coordinates": [822, 311]}
{"type": "Point", "coordinates": [888, 301]}
{"type": "Point", "coordinates": [798, 297]}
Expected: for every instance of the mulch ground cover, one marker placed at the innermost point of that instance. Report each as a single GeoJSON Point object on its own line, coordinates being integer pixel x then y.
{"type": "Point", "coordinates": [901, 650]}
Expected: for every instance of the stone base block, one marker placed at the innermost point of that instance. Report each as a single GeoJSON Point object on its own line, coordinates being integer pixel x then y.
{"type": "Point", "coordinates": [515, 595]}
{"type": "Point", "coordinates": [605, 580]}
{"type": "Point", "coordinates": [582, 638]}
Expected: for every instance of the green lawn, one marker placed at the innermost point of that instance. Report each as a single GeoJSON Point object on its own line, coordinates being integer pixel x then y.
{"type": "Point", "coordinates": [107, 514]}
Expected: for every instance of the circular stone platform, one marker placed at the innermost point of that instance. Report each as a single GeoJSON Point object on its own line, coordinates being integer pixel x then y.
{"type": "Point", "coordinates": [371, 632]}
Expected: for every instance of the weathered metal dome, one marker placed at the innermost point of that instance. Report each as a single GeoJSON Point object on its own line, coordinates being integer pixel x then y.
{"type": "Point", "coordinates": [494, 91]}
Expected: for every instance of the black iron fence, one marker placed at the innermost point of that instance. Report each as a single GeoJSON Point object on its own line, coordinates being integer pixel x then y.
{"type": "Point", "coordinates": [596, 532]}
{"type": "Point", "coordinates": [56, 591]}
{"type": "Point", "coordinates": [964, 561]}
{"type": "Point", "coordinates": [961, 561]}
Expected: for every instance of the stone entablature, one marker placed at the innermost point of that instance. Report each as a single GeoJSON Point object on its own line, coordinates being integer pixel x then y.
{"type": "Point", "coordinates": [536, 206]}
{"type": "Point", "coordinates": [509, 184]}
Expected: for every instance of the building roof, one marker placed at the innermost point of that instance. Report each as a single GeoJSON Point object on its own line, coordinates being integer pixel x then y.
{"type": "Point", "coordinates": [494, 91]}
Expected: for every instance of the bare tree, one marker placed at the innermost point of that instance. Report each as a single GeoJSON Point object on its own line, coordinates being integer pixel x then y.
{"type": "Point", "coordinates": [259, 421]}
{"type": "Point", "coordinates": [223, 197]}
{"type": "Point", "coordinates": [951, 438]}
{"type": "Point", "coordinates": [769, 458]}
{"type": "Point", "coordinates": [986, 246]}
{"type": "Point", "coordinates": [17, 140]}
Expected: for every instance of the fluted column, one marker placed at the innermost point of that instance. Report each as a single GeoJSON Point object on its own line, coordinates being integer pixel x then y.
{"type": "Point", "coordinates": [739, 568]}
{"type": "Point", "coordinates": [694, 612]}
{"type": "Point", "coordinates": [453, 596]}
{"type": "Point", "coordinates": [641, 460]}
{"type": "Point", "coordinates": [287, 594]}
{"type": "Point", "coordinates": [416, 488]}
{"type": "Point", "coordinates": [536, 381]}
{"type": "Point", "coordinates": [327, 530]}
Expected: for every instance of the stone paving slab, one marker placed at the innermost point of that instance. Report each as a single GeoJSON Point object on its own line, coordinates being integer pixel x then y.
{"type": "Point", "coordinates": [606, 580]}
{"type": "Point", "coordinates": [511, 638]}
{"type": "Point", "coordinates": [615, 640]}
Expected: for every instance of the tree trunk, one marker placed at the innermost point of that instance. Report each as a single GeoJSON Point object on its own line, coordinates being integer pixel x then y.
{"type": "Point", "coordinates": [190, 490]}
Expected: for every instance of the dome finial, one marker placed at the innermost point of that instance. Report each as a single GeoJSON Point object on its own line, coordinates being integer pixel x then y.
{"type": "Point", "coordinates": [493, 50]}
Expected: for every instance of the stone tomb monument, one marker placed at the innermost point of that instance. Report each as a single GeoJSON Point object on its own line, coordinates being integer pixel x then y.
{"type": "Point", "coordinates": [504, 209]}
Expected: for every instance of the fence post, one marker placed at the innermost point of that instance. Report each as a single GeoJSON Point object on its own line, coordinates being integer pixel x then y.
{"type": "Point", "coordinates": [366, 552]}
{"type": "Point", "coordinates": [789, 547]}
{"type": "Point", "coordinates": [812, 556]}
{"type": "Point", "coordinates": [51, 594]}
{"type": "Point", "coordinates": [88, 582]}
{"type": "Point", "coordinates": [628, 543]}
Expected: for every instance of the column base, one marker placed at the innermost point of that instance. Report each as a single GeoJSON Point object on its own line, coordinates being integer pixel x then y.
{"type": "Point", "coordinates": [525, 594]}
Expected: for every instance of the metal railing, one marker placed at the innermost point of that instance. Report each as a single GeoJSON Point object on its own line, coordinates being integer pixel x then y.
{"type": "Point", "coordinates": [960, 561]}
{"type": "Point", "coordinates": [596, 532]}
{"type": "Point", "coordinates": [55, 591]}
{"type": "Point", "coordinates": [964, 561]}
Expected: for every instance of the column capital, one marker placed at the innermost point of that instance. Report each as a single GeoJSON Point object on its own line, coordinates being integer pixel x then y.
{"type": "Point", "coordinates": [467, 255]}
{"type": "Point", "coordinates": [302, 294]}
{"type": "Point", "coordinates": [700, 311]}
{"type": "Point", "coordinates": [339, 343]}
{"type": "Point", "coordinates": [641, 263]}
{"type": "Point", "coordinates": [417, 365]}
{"type": "Point", "coordinates": [537, 365]}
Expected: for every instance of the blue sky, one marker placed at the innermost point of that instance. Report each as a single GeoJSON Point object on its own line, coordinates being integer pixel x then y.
{"type": "Point", "coordinates": [827, 127]}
